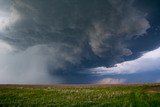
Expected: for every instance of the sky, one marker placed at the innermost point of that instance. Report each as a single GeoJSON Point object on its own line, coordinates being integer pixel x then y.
{"type": "Point", "coordinates": [79, 41]}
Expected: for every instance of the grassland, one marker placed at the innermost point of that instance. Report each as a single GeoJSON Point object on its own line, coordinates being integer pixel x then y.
{"type": "Point", "coordinates": [80, 96]}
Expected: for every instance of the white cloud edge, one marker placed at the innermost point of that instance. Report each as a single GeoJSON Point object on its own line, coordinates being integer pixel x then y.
{"type": "Point", "coordinates": [149, 61]}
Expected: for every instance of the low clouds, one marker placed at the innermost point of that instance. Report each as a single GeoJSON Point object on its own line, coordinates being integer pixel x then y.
{"type": "Point", "coordinates": [149, 61]}
{"type": "Point", "coordinates": [111, 81]}
{"type": "Point", "coordinates": [55, 35]}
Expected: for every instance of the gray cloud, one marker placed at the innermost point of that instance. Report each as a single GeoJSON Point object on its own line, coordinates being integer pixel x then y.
{"type": "Point", "coordinates": [29, 66]}
{"type": "Point", "coordinates": [122, 22]}
{"type": "Point", "coordinates": [53, 35]}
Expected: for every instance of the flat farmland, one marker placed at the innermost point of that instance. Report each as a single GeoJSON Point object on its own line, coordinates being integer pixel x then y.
{"type": "Point", "coordinates": [128, 95]}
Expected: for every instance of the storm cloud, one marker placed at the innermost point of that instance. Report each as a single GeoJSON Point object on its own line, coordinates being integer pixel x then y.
{"type": "Point", "coordinates": [47, 38]}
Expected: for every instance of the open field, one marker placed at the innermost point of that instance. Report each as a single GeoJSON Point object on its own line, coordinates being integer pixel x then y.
{"type": "Point", "coordinates": [146, 95]}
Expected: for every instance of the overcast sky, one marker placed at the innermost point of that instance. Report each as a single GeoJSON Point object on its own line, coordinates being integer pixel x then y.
{"type": "Point", "coordinates": [79, 41]}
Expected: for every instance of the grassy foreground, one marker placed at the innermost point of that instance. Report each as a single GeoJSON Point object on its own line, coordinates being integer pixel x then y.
{"type": "Point", "coordinates": [81, 96]}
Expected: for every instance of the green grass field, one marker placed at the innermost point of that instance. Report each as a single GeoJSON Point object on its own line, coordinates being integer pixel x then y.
{"type": "Point", "coordinates": [81, 96]}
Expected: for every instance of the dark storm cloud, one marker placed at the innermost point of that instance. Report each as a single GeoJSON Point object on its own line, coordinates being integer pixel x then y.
{"type": "Point", "coordinates": [102, 25]}
{"type": "Point", "coordinates": [65, 33]}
